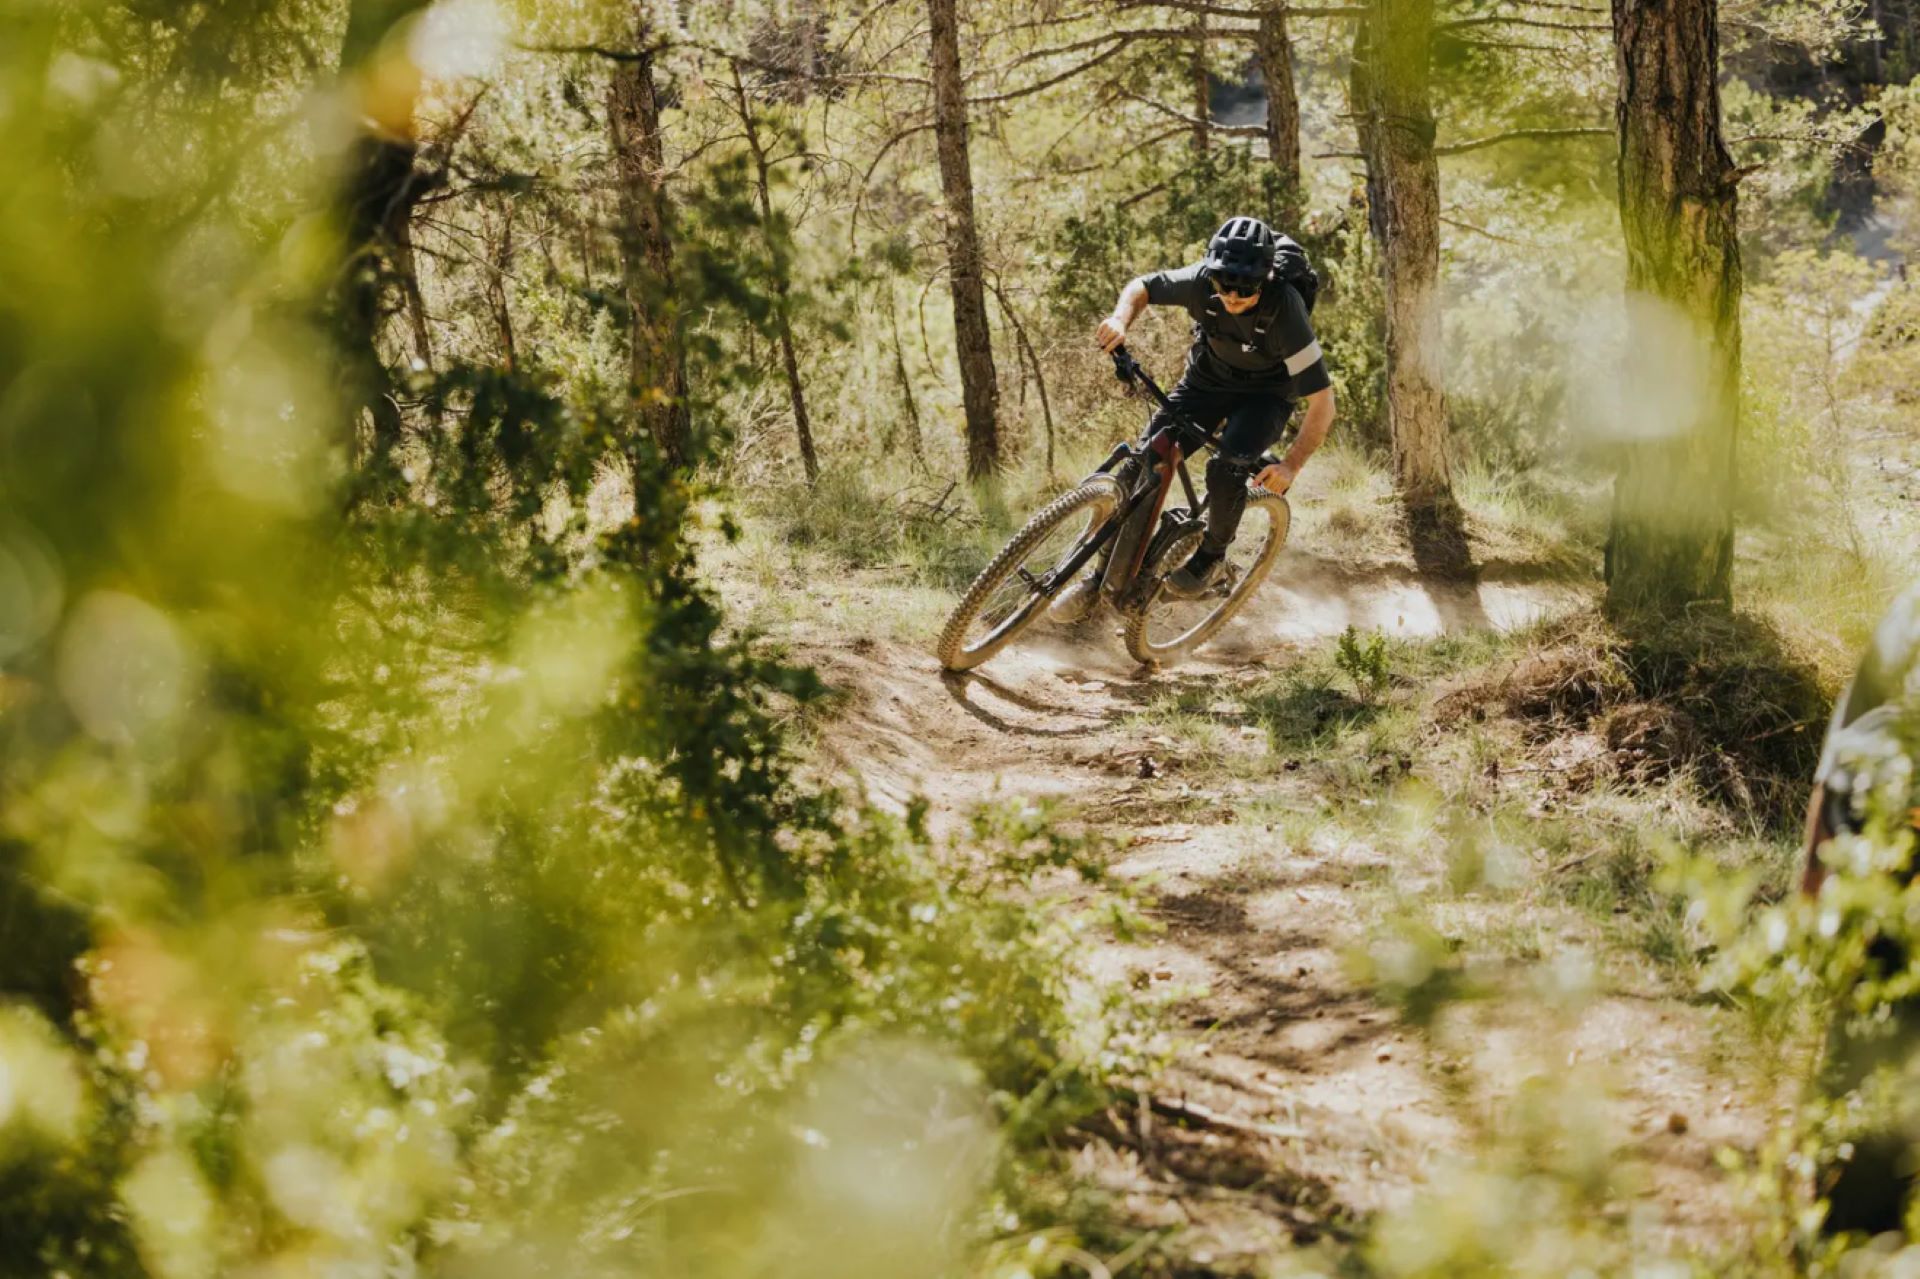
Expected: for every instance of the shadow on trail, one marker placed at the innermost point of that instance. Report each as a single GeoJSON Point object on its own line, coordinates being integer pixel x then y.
{"type": "Point", "coordinates": [961, 684]}
{"type": "Point", "coordinates": [1437, 535]}
{"type": "Point", "coordinates": [1213, 922]}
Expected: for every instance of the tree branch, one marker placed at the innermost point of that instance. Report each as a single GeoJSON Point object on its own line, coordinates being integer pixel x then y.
{"type": "Point", "coordinates": [1224, 11]}
{"type": "Point", "coordinates": [1136, 33]}
{"type": "Point", "coordinates": [1050, 81]}
{"type": "Point", "coordinates": [1063, 20]}
{"type": "Point", "coordinates": [1802, 139]}
{"type": "Point", "coordinates": [1460, 148]}
{"type": "Point", "coordinates": [1480, 230]}
{"type": "Point", "coordinates": [1033, 360]}
{"type": "Point", "coordinates": [1231, 130]}
{"type": "Point", "coordinates": [1517, 135]}
{"type": "Point", "coordinates": [597, 51]}
{"type": "Point", "coordinates": [1138, 196]}
{"type": "Point", "coordinates": [735, 57]}
{"type": "Point", "coordinates": [1510, 46]}
{"type": "Point", "coordinates": [1461, 23]}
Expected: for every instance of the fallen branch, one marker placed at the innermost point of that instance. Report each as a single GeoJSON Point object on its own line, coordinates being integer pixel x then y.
{"type": "Point", "coordinates": [1196, 1115]}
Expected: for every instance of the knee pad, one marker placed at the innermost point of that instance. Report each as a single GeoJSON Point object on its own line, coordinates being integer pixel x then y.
{"type": "Point", "coordinates": [1223, 469]}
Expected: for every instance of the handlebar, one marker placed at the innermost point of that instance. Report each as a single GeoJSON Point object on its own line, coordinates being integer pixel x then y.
{"type": "Point", "coordinates": [1128, 370]}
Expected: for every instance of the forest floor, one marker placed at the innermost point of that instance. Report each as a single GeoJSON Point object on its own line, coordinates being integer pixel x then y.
{"type": "Point", "coordinates": [1492, 797]}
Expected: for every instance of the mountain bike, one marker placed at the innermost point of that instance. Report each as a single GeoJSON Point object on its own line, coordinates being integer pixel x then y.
{"type": "Point", "coordinates": [1115, 533]}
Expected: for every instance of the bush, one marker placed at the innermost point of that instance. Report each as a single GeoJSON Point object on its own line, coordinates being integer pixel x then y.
{"type": "Point", "coordinates": [1364, 661]}
{"type": "Point", "coordinates": [402, 864]}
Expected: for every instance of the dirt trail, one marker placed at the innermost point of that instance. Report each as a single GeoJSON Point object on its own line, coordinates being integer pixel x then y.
{"type": "Point", "coordinates": [1039, 718]}
{"type": "Point", "coordinates": [1304, 1104]}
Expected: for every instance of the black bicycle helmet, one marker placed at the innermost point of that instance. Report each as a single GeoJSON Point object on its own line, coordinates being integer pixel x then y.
{"type": "Point", "coordinates": [1240, 255]}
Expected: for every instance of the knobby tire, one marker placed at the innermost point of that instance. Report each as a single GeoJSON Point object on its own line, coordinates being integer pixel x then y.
{"type": "Point", "coordinates": [1279, 519]}
{"type": "Point", "coordinates": [1100, 491]}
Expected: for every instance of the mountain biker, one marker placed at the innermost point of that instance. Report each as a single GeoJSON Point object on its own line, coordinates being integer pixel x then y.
{"type": "Point", "coordinates": [1253, 357]}
{"type": "Point", "coordinates": [1866, 784]}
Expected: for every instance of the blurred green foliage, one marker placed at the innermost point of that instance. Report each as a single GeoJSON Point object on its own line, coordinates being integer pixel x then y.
{"type": "Point", "coordinates": [402, 867]}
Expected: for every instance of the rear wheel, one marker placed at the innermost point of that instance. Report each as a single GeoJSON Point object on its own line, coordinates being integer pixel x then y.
{"type": "Point", "coordinates": [1008, 597]}
{"type": "Point", "coordinates": [1162, 630]}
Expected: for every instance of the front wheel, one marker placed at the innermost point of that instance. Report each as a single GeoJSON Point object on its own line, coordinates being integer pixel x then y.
{"type": "Point", "coordinates": [1162, 630]}
{"type": "Point", "coordinates": [1013, 591]}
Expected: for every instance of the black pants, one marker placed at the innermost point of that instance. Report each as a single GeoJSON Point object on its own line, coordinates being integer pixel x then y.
{"type": "Point", "coordinates": [1253, 421]}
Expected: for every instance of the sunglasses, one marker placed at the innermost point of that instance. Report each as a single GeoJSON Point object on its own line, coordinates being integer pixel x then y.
{"type": "Point", "coordinates": [1238, 286]}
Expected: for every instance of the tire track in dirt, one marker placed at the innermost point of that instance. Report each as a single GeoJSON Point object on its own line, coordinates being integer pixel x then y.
{"type": "Point", "coordinates": [1302, 1103]}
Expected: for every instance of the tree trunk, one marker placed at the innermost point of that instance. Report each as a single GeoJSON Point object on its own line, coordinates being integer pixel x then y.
{"type": "Point", "coordinates": [905, 383]}
{"type": "Point", "coordinates": [978, 385]}
{"type": "Point", "coordinates": [499, 271]}
{"type": "Point", "coordinates": [1877, 42]}
{"type": "Point", "coordinates": [376, 204]}
{"type": "Point", "coordinates": [1202, 86]}
{"type": "Point", "coordinates": [1391, 104]}
{"type": "Point", "coordinates": [1274, 48]}
{"type": "Point", "coordinates": [656, 359]}
{"type": "Point", "coordinates": [405, 263]}
{"type": "Point", "coordinates": [803, 427]}
{"type": "Point", "coordinates": [782, 280]}
{"type": "Point", "coordinates": [1672, 537]}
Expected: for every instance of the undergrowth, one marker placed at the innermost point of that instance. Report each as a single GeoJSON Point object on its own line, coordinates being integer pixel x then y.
{"type": "Point", "coordinates": [1558, 764]}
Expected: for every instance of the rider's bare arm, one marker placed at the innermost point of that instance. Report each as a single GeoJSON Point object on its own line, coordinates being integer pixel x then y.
{"type": "Point", "coordinates": [1313, 433]}
{"type": "Point", "coordinates": [1113, 330]}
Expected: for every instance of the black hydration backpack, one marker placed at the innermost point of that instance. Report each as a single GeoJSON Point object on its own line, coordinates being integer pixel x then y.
{"type": "Point", "coordinates": [1290, 264]}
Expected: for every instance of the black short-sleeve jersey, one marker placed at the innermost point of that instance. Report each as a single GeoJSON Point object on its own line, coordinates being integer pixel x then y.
{"type": "Point", "coordinates": [1270, 347]}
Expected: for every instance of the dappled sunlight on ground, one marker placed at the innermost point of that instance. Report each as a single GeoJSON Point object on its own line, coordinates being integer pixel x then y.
{"type": "Point", "coordinates": [1301, 1101]}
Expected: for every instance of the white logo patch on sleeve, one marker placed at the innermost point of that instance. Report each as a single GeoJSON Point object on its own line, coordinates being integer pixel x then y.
{"type": "Point", "coordinates": [1304, 358]}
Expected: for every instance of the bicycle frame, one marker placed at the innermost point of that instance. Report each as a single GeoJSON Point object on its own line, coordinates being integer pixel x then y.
{"type": "Point", "coordinates": [1160, 449]}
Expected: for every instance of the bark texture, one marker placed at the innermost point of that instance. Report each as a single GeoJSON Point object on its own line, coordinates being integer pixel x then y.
{"type": "Point", "coordinates": [781, 258]}
{"type": "Point", "coordinates": [1274, 47]}
{"type": "Point", "coordinates": [656, 357]}
{"type": "Point", "coordinates": [1672, 536]}
{"type": "Point", "coordinates": [979, 386]}
{"type": "Point", "coordinates": [1202, 85]}
{"type": "Point", "coordinates": [1391, 100]}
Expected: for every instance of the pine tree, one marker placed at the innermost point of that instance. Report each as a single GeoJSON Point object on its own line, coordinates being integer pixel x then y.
{"type": "Point", "coordinates": [1672, 535]}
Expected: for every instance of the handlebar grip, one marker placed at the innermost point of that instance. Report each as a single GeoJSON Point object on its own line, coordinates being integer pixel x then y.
{"type": "Point", "coordinates": [1125, 367]}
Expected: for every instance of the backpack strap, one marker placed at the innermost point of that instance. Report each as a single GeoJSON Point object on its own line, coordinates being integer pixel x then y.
{"type": "Point", "coordinates": [1263, 315]}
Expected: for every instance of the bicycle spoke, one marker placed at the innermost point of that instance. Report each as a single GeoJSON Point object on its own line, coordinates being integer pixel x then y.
{"type": "Point", "coordinates": [1014, 590]}
{"type": "Point", "coordinates": [1022, 587]}
{"type": "Point", "coordinates": [1170, 627]}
